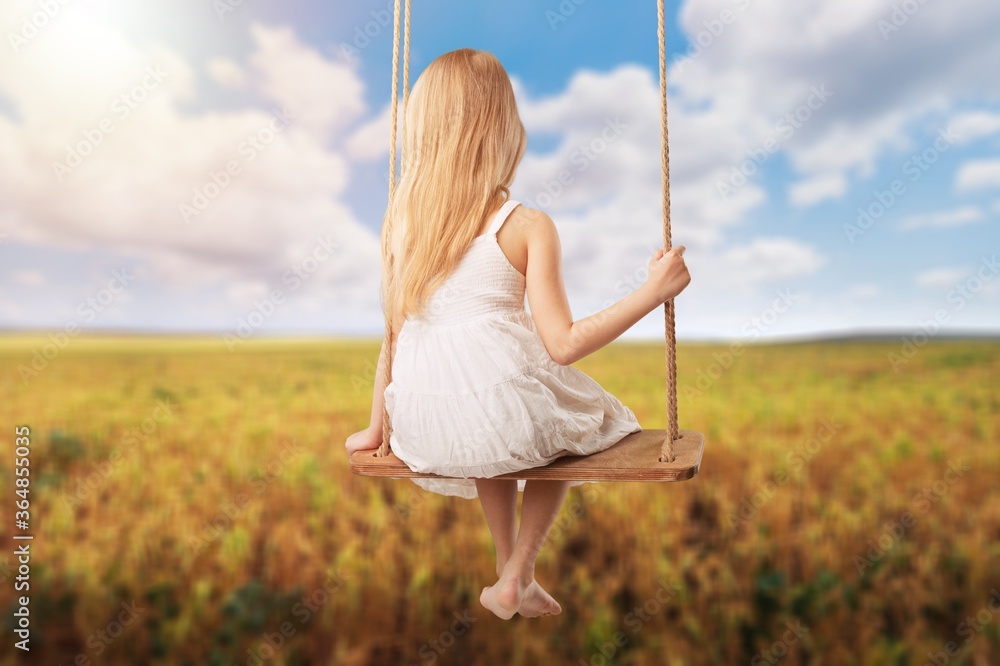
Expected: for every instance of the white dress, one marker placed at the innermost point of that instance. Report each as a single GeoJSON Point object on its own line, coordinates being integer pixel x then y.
{"type": "Point", "coordinates": [474, 393]}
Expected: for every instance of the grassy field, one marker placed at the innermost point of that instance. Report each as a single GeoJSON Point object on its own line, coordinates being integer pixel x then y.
{"type": "Point", "coordinates": [193, 506]}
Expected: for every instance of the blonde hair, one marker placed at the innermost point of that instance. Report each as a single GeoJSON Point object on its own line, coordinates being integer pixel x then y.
{"type": "Point", "coordinates": [462, 142]}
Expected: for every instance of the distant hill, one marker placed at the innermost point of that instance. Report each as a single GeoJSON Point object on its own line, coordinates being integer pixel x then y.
{"type": "Point", "coordinates": [840, 337]}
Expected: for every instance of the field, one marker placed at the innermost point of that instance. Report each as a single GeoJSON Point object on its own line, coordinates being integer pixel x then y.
{"type": "Point", "coordinates": [193, 506]}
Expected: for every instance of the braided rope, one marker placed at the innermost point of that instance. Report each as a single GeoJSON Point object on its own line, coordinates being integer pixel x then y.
{"type": "Point", "coordinates": [393, 101]}
{"type": "Point", "coordinates": [406, 76]}
{"type": "Point", "coordinates": [406, 57]}
{"type": "Point", "coordinates": [386, 360]}
{"type": "Point", "coordinates": [667, 452]}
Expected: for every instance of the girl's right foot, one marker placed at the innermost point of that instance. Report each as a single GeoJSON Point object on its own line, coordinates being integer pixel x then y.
{"type": "Point", "coordinates": [503, 597]}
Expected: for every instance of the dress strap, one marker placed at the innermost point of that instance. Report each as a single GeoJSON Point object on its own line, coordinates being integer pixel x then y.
{"type": "Point", "coordinates": [502, 215]}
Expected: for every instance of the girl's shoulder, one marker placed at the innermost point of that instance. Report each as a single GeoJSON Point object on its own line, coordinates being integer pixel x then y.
{"type": "Point", "coordinates": [533, 226]}
{"type": "Point", "coordinates": [528, 232]}
{"type": "Point", "coordinates": [530, 221]}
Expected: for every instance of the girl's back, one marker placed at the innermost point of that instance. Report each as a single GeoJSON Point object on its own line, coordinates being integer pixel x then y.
{"type": "Point", "coordinates": [475, 393]}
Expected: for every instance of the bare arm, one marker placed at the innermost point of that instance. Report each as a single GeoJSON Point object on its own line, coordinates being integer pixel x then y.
{"type": "Point", "coordinates": [568, 341]}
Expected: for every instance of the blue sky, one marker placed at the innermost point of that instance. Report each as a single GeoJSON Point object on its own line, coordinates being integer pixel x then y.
{"type": "Point", "coordinates": [289, 244]}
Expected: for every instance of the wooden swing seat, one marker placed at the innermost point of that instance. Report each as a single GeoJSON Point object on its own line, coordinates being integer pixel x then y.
{"type": "Point", "coordinates": [634, 458]}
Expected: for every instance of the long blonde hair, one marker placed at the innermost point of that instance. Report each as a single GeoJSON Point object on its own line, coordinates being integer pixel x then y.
{"type": "Point", "coordinates": [462, 142]}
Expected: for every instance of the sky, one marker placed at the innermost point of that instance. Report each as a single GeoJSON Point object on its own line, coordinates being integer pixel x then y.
{"type": "Point", "coordinates": [222, 166]}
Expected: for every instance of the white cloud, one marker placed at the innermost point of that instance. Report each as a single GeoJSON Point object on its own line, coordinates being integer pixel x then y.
{"type": "Point", "coordinates": [125, 195]}
{"type": "Point", "coordinates": [326, 96]}
{"type": "Point", "coordinates": [996, 206]}
{"type": "Point", "coordinates": [974, 125]}
{"type": "Point", "coordinates": [763, 64]}
{"type": "Point", "coordinates": [862, 291]}
{"type": "Point", "coordinates": [247, 290]}
{"type": "Point", "coordinates": [226, 73]}
{"type": "Point", "coordinates": [769, 260]}
{"type": "Point", "coordinates": [814, 190]}
{"type": "Point", "coordinates": [978, 174]}
{"type": "Point", "coordinates": [28, 278]}
{"type": "Point", "coordinates": [846, 146]}
{"type": "Point", "coordinates": [725, 104]}
{"type": "Point", "coordinates": [601, 184]}
{"type": "Point", "coordinates": [606, 164]}
{"type": "Point", "coordinates": [944, 219]}
{"type": "Point", "coordinates": [941, 277]}
{"type": "Point", "coordinates": [370, 141]}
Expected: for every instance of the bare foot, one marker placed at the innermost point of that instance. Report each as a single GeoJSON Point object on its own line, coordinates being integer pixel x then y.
{"type": "Point", "coordinates": [504, 597]}
{"type": "Point", "coordinates": [537, 602]}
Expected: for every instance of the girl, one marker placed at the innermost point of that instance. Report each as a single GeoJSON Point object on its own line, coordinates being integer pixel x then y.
{"type": "Point", "coordinates": [480, 387]}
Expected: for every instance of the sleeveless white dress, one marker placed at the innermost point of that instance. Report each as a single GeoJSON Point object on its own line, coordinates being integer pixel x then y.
{"type": "Point", "coordinates": [474, 393]}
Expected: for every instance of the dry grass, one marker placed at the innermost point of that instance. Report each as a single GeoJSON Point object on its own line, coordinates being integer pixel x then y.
{"type": "Point", "coordinates": [212, 488]}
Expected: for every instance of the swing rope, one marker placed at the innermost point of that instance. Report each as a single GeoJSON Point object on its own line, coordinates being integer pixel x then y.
{"type": "Point", "coordinates": [667, 453]}
{"type": "Point", "coordinates": [672, 432]}
{"type": "Point", "coordinates": [383, 449]}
